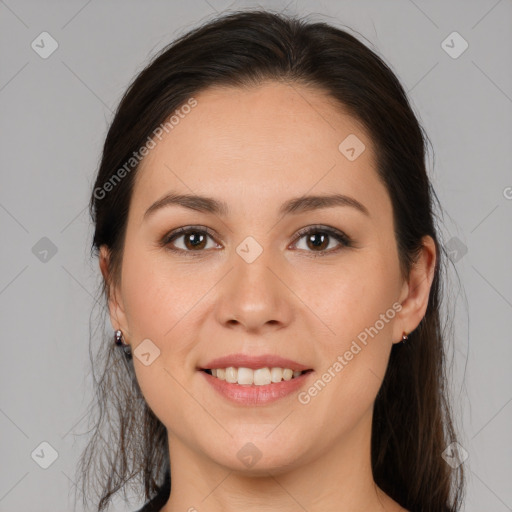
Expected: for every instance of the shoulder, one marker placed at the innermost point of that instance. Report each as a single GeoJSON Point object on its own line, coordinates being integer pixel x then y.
{"type": "Point", "coordinates": [154, 505]}
{"type": "Point", "coordinates": [157, 502]}
{"type": "Point", "coordinates": [151, 506]}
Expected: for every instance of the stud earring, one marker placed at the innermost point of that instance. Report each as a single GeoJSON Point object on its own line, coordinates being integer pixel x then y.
{"type": "Point", "coordinates": [119, 341]}
{"type": "Point", "coordinates": [405, 337]}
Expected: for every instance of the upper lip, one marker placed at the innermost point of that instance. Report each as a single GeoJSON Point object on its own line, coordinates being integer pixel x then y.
{"type": "Point", "coordinates": [254, 362]}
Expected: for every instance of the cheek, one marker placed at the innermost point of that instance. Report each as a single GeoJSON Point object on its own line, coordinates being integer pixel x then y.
{"type": "Point", "coordinates": [159, 302]}
{"type": "Point", "coordinates": [155, 304]}
{"type": "Point", "coordinates": [358, 308]}
{"type": "Point", "coordinates": [355, 297]}
{"type": "Point", "coordinates": [153, 296]}
{"type": "Point", "coordinates": [354, 357]}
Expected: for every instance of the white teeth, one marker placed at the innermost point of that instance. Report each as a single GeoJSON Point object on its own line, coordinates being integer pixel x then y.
{"type": "Point", "coordinates": [245, 376]}
{"type": "Point", "coordinates": [259, 377]}
{"type": "Point", "coordinates": [231, 374]}
{"type": "Point", "coordinates": [276, 374]}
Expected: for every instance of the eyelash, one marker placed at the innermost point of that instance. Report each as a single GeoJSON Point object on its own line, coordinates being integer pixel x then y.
{"type": "Point", "coordinates": [341, 237]}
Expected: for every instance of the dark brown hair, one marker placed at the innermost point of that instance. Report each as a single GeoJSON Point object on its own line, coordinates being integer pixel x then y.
{"type": "Point", "coordinates": [412, 422]}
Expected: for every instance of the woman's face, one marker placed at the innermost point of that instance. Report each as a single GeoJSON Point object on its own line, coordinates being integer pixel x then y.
{"type": "Point", "coordinates": [254, 284]}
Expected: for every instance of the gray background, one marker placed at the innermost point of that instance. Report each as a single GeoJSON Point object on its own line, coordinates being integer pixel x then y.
{"type": "Point", "coordinates": [54, 117]}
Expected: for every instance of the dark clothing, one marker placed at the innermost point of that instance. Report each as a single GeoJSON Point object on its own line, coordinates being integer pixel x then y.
{"type": "Point", "coordinates": [156, 503]}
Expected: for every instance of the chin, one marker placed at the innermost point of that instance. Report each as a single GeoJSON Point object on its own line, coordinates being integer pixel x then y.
{"type": "Point", "coordinates": [257, 456]}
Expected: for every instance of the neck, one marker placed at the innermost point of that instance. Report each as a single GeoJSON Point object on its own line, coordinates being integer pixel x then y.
{"type": "Point", "coordinates": [339, 479]}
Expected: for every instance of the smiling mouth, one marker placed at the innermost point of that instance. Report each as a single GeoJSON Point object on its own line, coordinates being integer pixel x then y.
{"type": "Point", "coordinates": [249, 377]}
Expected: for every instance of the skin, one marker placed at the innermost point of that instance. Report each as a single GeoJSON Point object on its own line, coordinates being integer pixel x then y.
{"type": "Point", "coordinates": [254, 149]}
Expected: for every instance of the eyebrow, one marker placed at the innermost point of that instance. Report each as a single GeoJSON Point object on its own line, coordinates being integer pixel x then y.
{"type": "Point", "coordinates": [292, 206]}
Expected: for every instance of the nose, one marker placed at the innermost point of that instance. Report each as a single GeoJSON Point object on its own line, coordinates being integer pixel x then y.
{"type": "Point", "coordinates": [255, 297]}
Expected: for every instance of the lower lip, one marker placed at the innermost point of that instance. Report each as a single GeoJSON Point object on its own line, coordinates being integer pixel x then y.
{"type": "Point", "coordinates": [256, 395]}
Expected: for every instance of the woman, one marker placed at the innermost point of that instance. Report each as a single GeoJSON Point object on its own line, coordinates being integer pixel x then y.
{"type": "Point", "coordinates": [264, 226]}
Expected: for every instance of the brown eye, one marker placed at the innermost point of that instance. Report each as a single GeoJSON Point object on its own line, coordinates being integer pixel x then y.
{"type": "Point", "coordinates": [194, 240]}
{"type": "Point", "coordinates": [318, 239]}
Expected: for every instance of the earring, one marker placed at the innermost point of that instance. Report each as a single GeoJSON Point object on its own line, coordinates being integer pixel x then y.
{"type": "Point", "coordinates": [405, 337]}
{"type": "Point", "coordinates": [121, 343]}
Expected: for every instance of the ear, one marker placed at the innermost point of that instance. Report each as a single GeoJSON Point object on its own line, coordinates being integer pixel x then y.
{"type": "Point", "coordinates": [416, 290]}
{"type": "Point", "coordinates": [115, 304]}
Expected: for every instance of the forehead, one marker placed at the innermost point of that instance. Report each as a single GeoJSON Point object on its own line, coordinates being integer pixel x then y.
{"type": "Point", "coordinates": [276, 139]}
